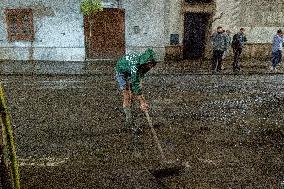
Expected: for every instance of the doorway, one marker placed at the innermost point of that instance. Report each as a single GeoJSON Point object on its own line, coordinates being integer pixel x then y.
{"type": "Point", "coordinates": [195, 29]}
{"type": "Point", "coordinates": [106, 39]}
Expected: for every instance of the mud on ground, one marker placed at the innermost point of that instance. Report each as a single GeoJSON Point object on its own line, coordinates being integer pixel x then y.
{"type": "Point", "coordinates": [226, 129]}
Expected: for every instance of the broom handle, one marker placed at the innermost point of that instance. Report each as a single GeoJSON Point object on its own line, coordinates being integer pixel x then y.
{"type": "Point", "coordinates": [155, 137]}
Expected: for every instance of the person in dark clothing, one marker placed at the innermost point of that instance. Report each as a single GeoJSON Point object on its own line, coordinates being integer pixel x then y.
{"type": "Point", "coordinates": [219, 42]}
{"type": "Point", "coordinates": [277, 46]}
{"type": "Point", "coordinates": [237, 44]}
{"type": "Point", "coordinates": [229, 42]}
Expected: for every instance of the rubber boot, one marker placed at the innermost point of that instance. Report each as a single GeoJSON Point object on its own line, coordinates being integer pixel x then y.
{"type": "Point", "coordinates": [129, 124]}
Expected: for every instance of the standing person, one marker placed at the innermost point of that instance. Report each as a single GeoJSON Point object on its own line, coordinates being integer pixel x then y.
{"type": "Point", "coordinates": [277, 44]}
{"type": "Point", "coordinates": [219, 42]}
{"type": "Point", "coordinates": [130, 69]}
{"type": "Point", "coordinates": [237, 44]}
{"type": "Point", "coordinates": [229, 42]}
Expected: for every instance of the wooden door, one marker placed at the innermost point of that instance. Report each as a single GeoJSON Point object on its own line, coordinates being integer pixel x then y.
{"type": "Point", "coordinates": [106, 40]}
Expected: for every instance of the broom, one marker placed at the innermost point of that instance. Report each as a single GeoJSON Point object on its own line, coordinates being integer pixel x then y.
{"type": "Point", "coordinates": [166, 168]}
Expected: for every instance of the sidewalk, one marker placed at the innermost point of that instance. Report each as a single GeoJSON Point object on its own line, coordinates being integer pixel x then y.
{"type": "Point", "coordinates": [11, 67]}
{"type": "Point", "coordinates": [202, 68]}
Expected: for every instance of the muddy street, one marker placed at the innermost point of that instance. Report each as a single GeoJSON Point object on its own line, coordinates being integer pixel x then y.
{"type": "Point", "coordinates": [228, 130]}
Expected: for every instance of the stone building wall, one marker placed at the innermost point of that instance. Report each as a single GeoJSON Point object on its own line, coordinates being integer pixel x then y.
{"type": "Point", "coordinates": [175, 24]}
{"type": "Point", "coordinates": [58, 29]}
{"type": "Point", "coordinates": [261, 19]}
{"type": "Point", "coordinates": [145, 25]}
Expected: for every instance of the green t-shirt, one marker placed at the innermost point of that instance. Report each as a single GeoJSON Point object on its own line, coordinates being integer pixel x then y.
{"type": "Point", "coordinates": [129, 65]}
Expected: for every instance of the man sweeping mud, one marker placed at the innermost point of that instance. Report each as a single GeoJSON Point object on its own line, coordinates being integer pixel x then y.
{"type": "Point", "coordinates": [130, 70]}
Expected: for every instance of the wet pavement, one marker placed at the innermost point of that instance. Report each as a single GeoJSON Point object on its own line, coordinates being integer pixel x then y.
{"type": "Point", "coordinates": [103, 67]}
{"type": "Point", "coordinates": [227, 129]}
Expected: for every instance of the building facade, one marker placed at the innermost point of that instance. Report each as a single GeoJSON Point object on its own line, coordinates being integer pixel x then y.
{"type": "Point", "coordinates": [195, 20]}
{"type": "Point", "coordinates": [59, 31]}
{"type": "Point", "coordinates": [175, 29]}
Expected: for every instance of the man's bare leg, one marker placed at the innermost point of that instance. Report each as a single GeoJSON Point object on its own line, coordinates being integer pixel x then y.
{"type": "Point", "coordinates": [127, 108]}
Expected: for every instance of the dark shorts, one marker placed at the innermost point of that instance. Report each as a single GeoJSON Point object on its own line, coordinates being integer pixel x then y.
{"type": "Point", "coordinates": [123, 81]}
{"type": "Point", "coordinates": [276, 58]}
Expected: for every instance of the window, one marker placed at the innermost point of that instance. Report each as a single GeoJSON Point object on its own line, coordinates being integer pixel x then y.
{"type": "Point", "coordinates": [20, 24]}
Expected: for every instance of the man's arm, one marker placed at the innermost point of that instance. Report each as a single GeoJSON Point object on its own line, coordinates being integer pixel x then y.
{"type": "Point", "coordinates": [143, 104]}
{"type": "Point", "coordinates": [137, 93]}
{"type": "Point", "coordinates": [140, 98]}
{"type": "Point", "coordinates": [226, 40]}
